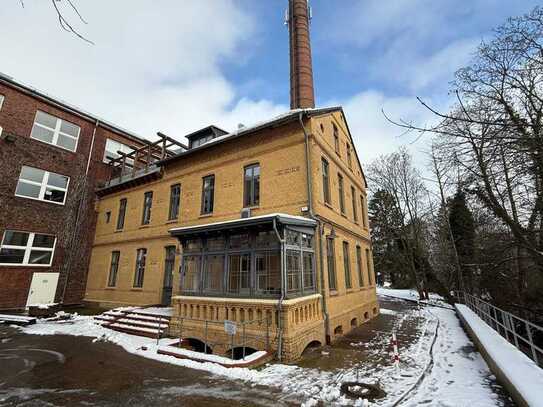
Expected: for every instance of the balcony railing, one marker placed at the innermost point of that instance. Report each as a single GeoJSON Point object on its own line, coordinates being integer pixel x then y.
{"type": "Point", "coordinates": [141, 161]}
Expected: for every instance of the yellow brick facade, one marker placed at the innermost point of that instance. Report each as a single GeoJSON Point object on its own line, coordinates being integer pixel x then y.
{"type": "Point", "coordinates": [281, 154]}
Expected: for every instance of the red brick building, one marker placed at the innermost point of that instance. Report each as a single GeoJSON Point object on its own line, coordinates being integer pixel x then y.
{"type": "Point", "coordinates": [52, 158]}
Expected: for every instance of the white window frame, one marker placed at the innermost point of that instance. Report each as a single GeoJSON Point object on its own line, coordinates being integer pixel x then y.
{"type": "Point", "coordinates": [56, 131]}
{"type": "Point", "coordinates": [28, 248]}
{"type": "Point", "coordinates": [125, 148]}
{"type": "Point", "coordinates": [2, 97]}
{"type": "Point", "coordinates": [43, 186]}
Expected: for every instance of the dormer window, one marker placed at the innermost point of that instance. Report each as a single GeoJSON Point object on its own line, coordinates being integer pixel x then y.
{"type": "Point", "coordinates": [203, 136]}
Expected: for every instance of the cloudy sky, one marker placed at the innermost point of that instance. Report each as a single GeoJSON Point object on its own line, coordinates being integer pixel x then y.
{"type": "Point", "coordinates": [175, 66]}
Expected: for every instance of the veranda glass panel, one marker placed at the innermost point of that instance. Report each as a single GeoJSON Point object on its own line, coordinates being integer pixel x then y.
{"type": "Point", "coordinates": [309, 272]}
{"type": "Point", "coordinates": [213, 273]}
{"type": "Point", "coordinates": [238, 273]}
{"type": "Point", "coordinates": [294, 270]}
{"type": "Point", "coordinates": [268, 273]}
{"type": "Point", "coordinates": [191, 274]}
{"type": "Point", "coordinates": [240, 241]}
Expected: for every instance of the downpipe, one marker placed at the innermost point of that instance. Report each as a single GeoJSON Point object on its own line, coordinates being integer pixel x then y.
{"type": "Point", "coordinates": [320, 225]}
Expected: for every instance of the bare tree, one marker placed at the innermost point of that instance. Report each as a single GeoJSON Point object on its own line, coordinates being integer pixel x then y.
{"type": "Point", "coordinates": [63, 20]}
{"type": "Point", "coordinates": [494, 135]}
{"type": "Point", "coordinates": [395, 174]}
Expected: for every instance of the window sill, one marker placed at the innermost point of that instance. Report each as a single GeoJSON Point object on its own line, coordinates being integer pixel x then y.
{"type": "Point", "coordinates": [252, 207]}
{"type": "Point", "coordinates": [344, 215]}
{"type": "Point", "coordinates": [136, 289]}
{"type": "Point", "coordinates": [328, 205]}
{"type": "Point", "coordinates": [171, 221]}
{"type": "Point", "coordinates": [333, 293]}
{"type": "Point", "coordinates": [24, 265]}
{"type": "Point", "coordinates": [118, 230]}
{"type": "Point", "coordinates": [350, 290]}
{"type": "Point", "coordinates": [206, 215]}
{"type": "Point", "coordinates": [110, 288]}
{"type": "Point", "coordinates": [144, 226]}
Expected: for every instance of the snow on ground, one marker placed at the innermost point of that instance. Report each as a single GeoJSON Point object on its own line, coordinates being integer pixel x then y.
{"type": "Point", "coordinates": [458, 376]}
{"type": "Point", "coordinates": [412, 295]}
{"type": "Point", "coordinates": [521, 371]}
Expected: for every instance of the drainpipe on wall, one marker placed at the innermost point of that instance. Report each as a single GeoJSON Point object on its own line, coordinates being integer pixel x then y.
{"type": "Point", "coordinates": [320, 225]}
{"type": "Point", "coordinates": [68, 264]}
{"type": "Point", "coordinates": [283, 291]}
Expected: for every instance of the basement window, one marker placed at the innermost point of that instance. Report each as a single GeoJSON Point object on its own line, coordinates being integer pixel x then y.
{"type": "Point", "coordinates": [42, 185]}
{"type": "Point", "coordinates": [52, 130]}
{"type": "Point", "coordinates": [26, 248]}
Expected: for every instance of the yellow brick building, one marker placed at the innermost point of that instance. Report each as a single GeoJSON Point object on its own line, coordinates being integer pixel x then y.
{"type": "Point", "coordinates": [267, 223]}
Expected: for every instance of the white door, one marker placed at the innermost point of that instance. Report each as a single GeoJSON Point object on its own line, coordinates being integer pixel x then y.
{"type": "Point", "coordinates": [42, 288]}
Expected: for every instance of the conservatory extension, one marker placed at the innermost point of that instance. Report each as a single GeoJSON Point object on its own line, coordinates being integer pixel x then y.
{"type": "Point", "coordinates": [256, 257]}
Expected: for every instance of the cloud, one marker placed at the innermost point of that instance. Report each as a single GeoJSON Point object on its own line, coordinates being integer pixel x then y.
{"type": "Point", "coordinates": [154, 67]}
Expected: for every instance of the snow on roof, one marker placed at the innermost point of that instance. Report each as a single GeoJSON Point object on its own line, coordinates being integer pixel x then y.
{"type": "Point", "coordinates": [257, 126]}
{"type": "Point", "coordinates": [270, 216]}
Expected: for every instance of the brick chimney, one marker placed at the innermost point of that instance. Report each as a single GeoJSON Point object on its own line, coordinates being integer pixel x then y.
{"type": "Point", "coordinates": [301, 71]}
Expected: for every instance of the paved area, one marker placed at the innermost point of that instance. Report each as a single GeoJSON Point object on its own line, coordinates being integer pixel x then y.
{"type": "Point", "coordinates": [63, 370]}
{"type": "Point", "coordinates": [68, 371]}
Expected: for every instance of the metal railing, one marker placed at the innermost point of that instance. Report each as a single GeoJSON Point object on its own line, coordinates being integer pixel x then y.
{"type": "Point", "coordinates": [526, 336]}
{"type": "Point", "coordinates": [245, 334]}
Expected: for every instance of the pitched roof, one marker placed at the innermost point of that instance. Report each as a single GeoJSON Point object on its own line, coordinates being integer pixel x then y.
{"type": "Point", "coordinates": [59, 103]}
{"type": "Point", "coordinates": [284, 118]}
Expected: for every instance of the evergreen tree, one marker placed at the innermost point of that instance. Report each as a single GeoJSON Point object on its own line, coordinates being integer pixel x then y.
{"type": "Point", "coordinates": [388, 249]}
{"type": "Point", "coordinates": [463, 232]}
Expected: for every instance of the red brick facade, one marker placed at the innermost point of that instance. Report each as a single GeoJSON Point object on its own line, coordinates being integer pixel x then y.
{"type": "Point", "coordinates": [72, 223]}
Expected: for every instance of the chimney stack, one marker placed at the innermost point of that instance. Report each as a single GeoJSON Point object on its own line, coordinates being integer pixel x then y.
{"type": "Point", "coordinates": [301, 71]}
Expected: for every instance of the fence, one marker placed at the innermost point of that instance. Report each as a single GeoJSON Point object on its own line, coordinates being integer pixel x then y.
{"type": "Point", "coordinates": [231, 338]}
{"type": "Point", "coordinates": [526, 336]}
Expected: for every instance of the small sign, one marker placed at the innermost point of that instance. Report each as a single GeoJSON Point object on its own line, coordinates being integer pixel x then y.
{"type": "Point", "coordinates": [230, 327]}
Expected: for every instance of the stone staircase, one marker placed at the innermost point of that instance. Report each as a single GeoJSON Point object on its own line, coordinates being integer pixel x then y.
{"type": "Point", "coordinates": [150, 322]}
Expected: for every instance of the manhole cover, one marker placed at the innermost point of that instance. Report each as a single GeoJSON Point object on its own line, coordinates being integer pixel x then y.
{"type": "Point", "coordinates": [357, 390]}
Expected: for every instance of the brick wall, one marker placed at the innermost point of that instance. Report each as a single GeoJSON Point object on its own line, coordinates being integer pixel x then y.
{"type": "Point", "coordinates": [17, 118]}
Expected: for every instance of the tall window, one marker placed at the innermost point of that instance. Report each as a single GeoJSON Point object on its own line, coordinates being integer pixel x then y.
{"type": "Point", "coordinates": [364, 214]}
{"type": "Point", "coordinates": [359, 266]}
{"type": "Point", "coordinates": [55, 131]}
{"type": "Point", "coordinates": [175, 199]}
{"type": "Point", "coordinates": [1, 101]}
{"type": "Point", "coordinates": [213, 273]}
{"type": "Point", "coordinates": [122, 213]}
{"type": "Point", "coordinates": [371, 278]}
{"type": "Point", "coordinates": [347, 265]}
{"type": "Point", "coordinates": [331, 263]}
{"type": "Point", "coordinates": [251, 185]}
{"type": "Point", "coordinates": [42, 185]}
{"type": "Point", "coordinates": [353, 201]}
{"type": "Point", "coordinates": [147, 203]}
{"type": "Point", "coordinates": [326, 181]}
{"type": "Point", "coordinates": [140, 267]}
{"type": "Point", "coordinates": [169, 264]}
{"type": "Point", "coordinates": [341, 193]}
{"type": "Point", "coordinates": [27, 248]}
{"type": "Point", "coordinates": [349, 158]}
{"type": "Point", "coordinates": [336, 138]}
{"type": "Point", "coordinates": [113, 269]}
{"type": "Point", "coordinates": [208, 191]}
